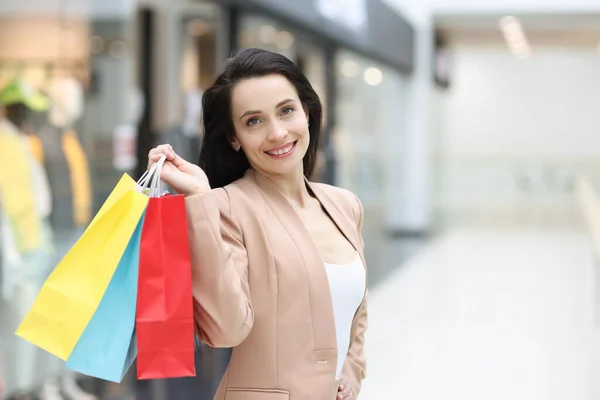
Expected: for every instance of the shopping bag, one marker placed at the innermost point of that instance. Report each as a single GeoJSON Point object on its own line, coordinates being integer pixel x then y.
{"type": "Point", "coordinates": [164, 315]}
{"type": "Point", "coordinates": [107, 347]}
{"type": "Point", "coordinates": [71, 294]}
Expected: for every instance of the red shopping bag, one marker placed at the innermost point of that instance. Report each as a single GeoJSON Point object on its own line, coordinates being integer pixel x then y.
{"type": "Point", "coordinates": [164, 315]}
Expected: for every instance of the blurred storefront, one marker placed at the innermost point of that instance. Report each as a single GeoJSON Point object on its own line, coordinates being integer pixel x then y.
{"type": "Point", "coordinates": [86, 89]}
{"type": "Point", "coordinates": [182, 44]}
{"type": "Point", "coordinates": [67, 94]}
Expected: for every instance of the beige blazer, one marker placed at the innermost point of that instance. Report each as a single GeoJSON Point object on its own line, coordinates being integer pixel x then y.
{"type": "Point", "coordinates": [260, 286]}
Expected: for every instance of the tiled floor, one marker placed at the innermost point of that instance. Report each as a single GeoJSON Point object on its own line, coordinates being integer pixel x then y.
{"type": "Point", "coordinates": [383, 253]}
{"type": "Point", "coordinates": [499, 310]}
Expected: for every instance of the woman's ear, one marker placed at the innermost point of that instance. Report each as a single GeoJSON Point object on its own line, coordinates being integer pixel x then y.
{"type": "Point", "coordinates": [236, 146]}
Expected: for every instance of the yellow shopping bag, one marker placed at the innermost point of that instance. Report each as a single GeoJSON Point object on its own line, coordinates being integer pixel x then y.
{"type": "Point", "coordinates": [71, 294]}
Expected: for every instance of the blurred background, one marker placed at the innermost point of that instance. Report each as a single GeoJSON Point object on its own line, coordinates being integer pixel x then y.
{"type": "Point", "coordinates": [468, 129]}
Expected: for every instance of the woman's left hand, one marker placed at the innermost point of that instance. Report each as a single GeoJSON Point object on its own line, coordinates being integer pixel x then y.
{"type": "Point", "coordinates": [344, 391]}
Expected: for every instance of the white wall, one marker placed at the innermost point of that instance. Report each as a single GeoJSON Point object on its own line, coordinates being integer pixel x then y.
{"type": "Point", "coordinates": [515, 6]}
{"type": "Point", "coordinates": [494, 6]}
{"type": "Point", "coordinates": [513, 133]}
{"type": "Point", "coordinates": [544, 106]}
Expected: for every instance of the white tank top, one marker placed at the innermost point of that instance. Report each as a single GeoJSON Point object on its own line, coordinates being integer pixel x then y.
{"type": "Point", "coordinates": [347, 284]}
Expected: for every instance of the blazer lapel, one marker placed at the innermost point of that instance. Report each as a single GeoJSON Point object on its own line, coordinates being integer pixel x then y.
{"type": "Point", "coordinates": [318, 284]}
{"type": "Point", "coordinates": [345, 226]}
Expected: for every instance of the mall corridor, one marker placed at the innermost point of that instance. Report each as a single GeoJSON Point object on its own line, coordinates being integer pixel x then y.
{"type": "Point", "coordinates": [498, 309]}
{"type": "Point", "coordinates": [468, 131]}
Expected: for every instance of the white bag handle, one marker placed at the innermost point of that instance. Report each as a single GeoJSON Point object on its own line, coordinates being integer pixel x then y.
{"type": "Point", "coordinates": [148, 178]}
{"type": "Point", "coordinates": [155, 185]}
{"type": "Point", "coordinates": [142, 181]}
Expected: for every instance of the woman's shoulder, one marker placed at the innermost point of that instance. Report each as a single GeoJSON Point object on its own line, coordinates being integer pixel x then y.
{"type": "Point", "coordinates": [342, 198]}
{"type": "Point", "coordinates": [332, 191]}
{"type": "Point", "coordinates": [237, 192]}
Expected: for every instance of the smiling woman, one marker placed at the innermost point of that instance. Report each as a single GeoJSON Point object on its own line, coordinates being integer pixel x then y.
{"type": "Point", "coordinates": [267, 102]}
{"type": "Point", "coordinates": [277, 261]}
{"type": "Point", "coordinates": [272, 133]}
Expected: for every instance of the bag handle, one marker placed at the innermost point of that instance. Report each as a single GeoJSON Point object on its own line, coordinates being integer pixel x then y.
{"type": "Point", "coordinates": [156, 182]}
{"type": "Point", "coordinates": [147, 180]}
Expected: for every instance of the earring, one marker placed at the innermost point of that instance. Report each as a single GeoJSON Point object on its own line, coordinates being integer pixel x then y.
{"type": "Point", "coordinates": [236, 147]}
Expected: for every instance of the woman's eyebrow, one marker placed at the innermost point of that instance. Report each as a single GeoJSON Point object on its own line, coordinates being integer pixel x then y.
{"type": "Point", "coordinates": [283, 102]}
{"type": "Point", "coordinates": [250, 112]}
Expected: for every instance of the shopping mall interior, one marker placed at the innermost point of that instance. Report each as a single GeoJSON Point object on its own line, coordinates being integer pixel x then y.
{"type": "Point", "coordinates": [467, 129]}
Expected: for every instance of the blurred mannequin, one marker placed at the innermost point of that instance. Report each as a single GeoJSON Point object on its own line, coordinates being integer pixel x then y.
{"type": "Point", "coordinates": [66, 95]}
{"type": "Point", "coordinates": [26, 234]}
{"type": "Point", "coordinates": [64, 157]}
{"type": "Point", "coordinates": [25, 193]}
{"type": "Point", "coordinates": [20, 176]}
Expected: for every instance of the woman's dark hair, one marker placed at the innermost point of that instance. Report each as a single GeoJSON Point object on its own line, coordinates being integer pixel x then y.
{"type": "Point", "coordinates": [221, 163]}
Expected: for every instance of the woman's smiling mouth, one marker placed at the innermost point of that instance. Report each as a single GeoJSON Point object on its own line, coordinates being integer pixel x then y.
{"type": "Point", "coordinates": [282, 151]}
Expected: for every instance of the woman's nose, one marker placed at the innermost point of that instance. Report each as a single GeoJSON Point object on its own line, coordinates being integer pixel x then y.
{"type": "Point", "coordinates": [277, 132]}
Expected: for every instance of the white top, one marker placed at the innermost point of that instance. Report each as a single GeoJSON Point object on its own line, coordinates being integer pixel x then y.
{"type": "Point", "coordinates": [347, 284]}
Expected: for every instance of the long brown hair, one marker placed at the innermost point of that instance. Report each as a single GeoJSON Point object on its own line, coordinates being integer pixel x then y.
{"type": "Point", "coordinates": [221, 163]}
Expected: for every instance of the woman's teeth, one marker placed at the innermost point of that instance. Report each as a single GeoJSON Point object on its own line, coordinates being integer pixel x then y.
{"type": "Point", "coordinates": [281, 152]}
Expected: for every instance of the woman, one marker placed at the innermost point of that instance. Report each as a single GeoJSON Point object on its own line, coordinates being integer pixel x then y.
{"type": "Point", "coordinates": [277, 261]}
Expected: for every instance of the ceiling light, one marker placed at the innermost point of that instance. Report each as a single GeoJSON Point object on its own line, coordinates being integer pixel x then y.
{"type": "Point", "coordinates": [267, 34]}
{"type": "Point", "coordinates": [373, 76]}
{"type": "Point", "coordinates": [284, 40]}
{"type": "Point", "coordinates": [508, 22]}
{"type": "Point", "coordinates": [349, 68]}
{"type": "Point", "coordinates": [522, 50]}
{"type": "Point", "coordinates": [514, 36]}
{"type": "Point", "coordinates": [519, 45]}
{"type": "Point", "coordinates": [523, 45]}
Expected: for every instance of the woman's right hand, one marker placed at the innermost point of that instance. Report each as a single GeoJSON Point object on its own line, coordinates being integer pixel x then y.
{"type": "Point", "coordinates": [184, 177]}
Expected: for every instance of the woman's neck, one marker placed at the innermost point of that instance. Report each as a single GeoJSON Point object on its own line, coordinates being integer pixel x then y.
{"type": "Point", "coordinates": [292, 186]}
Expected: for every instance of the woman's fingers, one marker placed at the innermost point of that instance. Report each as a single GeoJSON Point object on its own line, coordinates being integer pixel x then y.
{"type": "Point", "coordinates": [168, 151]}
{"type": "Point", "coordinates": [344, 392]}
{"type": "Point", "coordinates": [165, 149]}
{"type": "Point", "coordinates": [157, 152]}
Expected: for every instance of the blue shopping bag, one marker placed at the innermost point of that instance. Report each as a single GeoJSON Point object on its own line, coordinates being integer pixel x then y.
{"type": "Point", "coordinates": [107, 347]}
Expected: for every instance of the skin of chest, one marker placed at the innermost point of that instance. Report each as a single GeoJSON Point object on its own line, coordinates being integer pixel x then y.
{"type": "Point", "coordinates": [333, 246]}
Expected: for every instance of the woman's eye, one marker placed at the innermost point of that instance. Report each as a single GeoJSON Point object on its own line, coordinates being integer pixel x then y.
{"type": "Point", "coordinates": [287, 111]}
{"type": "Point", "coordinates": [252, 122]}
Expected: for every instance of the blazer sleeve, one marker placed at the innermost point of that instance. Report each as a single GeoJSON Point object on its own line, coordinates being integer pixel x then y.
{"type": "Point", "coordinates": [355, 367]}
{"type": "Point", "coordinates": [222, 307]}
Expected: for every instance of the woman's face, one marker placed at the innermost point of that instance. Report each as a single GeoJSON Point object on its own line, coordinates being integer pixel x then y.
{"type": "Point", "coordinates": [270, 123]}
